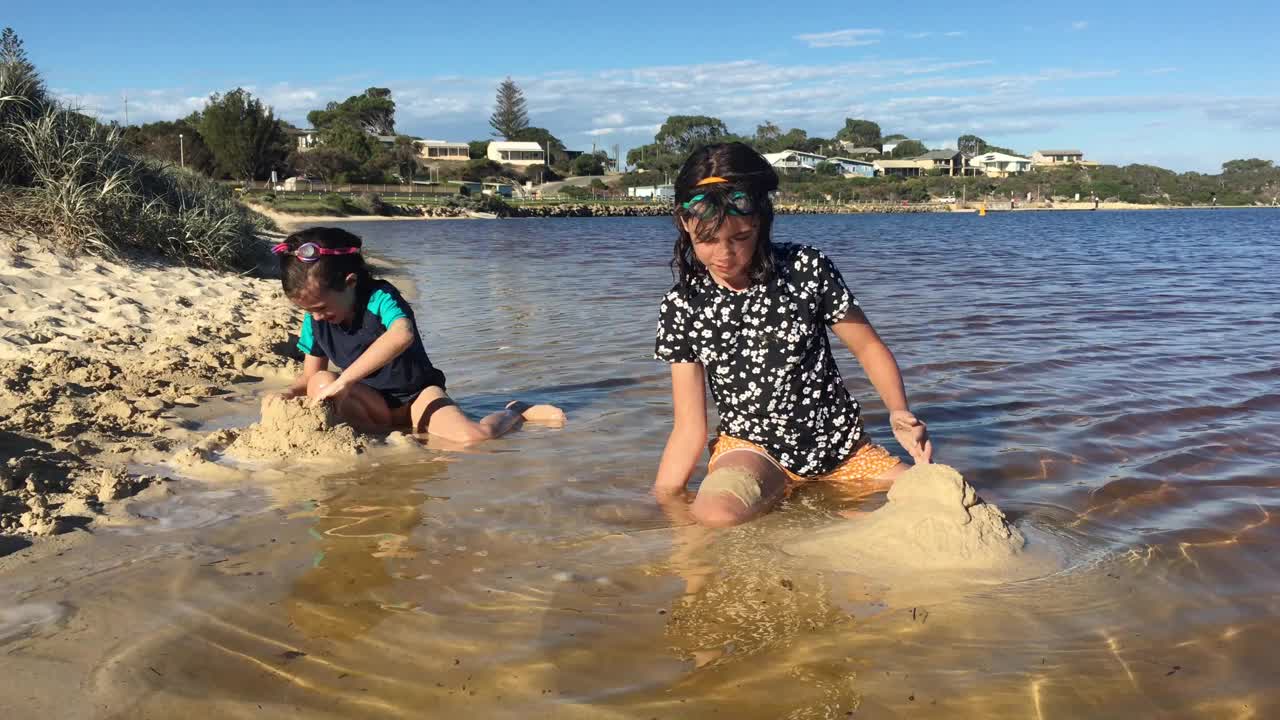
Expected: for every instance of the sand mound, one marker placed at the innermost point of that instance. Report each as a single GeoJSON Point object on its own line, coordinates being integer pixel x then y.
{"type": "Point", "coordinates": [101, 364]}
{"type": "Point", "coordinates": [290, 429]}
{"type": "Point", "coordinates": [933, 521]}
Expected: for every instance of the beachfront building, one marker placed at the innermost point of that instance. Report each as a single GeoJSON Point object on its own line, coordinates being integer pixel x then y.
{"type": "Point", "coordinates": [443, 151]}
{"type": "Point", "coordinates": [653, 192]}
{"type": "Point", "coordinates": [946, 162]}
{"type": "Point", "coordinates": [303, 139]}
{"type": "Point", "coordinates": [788, 160]}
{"type": "Point", "coordinates": [999, 165]}
{"type": "Point", "coordinates": [1051, 158]}
{"type": "Point", "coordinates": [517, 152]}
{"type": "Point", "coordinates": [898, 168]}
{"type": "Point", "coordinates": [854, 168]}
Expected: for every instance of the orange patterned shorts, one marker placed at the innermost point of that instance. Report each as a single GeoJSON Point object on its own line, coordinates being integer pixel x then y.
{"type": "Point", "coordinates": [867, 464]}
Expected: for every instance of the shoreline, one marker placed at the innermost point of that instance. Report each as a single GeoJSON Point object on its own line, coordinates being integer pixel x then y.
{"type": "Point", "coordinates": [289, 220]}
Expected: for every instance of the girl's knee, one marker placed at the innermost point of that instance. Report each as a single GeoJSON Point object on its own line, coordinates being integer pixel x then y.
{"type": "Point", "coordinates": [476, 432]}
{"type": "Point", "coordinates": [318, 381]}
{"type": "Point", "coordinates": [728, 496]}
{"type": "Point", "coordinates": [722, 513]}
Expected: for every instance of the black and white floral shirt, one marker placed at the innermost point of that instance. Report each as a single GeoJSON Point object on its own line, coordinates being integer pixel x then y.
{"type": "Point", "coordinates": [768, 359]}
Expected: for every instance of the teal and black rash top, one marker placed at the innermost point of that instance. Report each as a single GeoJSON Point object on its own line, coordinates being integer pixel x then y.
{"type": "Point", "coordinates": [405, 376]}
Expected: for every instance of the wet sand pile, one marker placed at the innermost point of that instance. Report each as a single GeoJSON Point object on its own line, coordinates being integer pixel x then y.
{"type": "Point", "coordinates": [933, 520]}
{"type": "Point", "coordinates": [290, 429]}
{"type": "Point", "coordinates": [101, 363]}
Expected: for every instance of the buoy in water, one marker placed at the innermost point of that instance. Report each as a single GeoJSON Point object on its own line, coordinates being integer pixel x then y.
{"type": "Point", "coordinates": [982, 210]}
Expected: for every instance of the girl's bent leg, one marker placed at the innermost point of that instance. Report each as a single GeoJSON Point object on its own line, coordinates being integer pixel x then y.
{"type": "Point", "coordinates": [739, 486]}
{"type": "Point", "coordinates": [434, 412]}
{"type": "Point", "coordinates": [359, 405]}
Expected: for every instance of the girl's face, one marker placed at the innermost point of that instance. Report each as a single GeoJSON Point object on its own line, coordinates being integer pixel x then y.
{"type": "Point", "coordinates": [727, 253]}
{"type": "Point", "coordinates": [326, 304]}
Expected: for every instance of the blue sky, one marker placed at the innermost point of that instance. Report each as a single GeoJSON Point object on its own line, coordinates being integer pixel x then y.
{"type": "Point", "coordinates": [1185, 85]}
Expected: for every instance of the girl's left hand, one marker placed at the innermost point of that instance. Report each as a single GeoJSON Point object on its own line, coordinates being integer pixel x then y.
{"type": "Point", "coordinates": [913, 435]}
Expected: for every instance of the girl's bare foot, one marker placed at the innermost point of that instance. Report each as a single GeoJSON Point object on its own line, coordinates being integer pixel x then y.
{"type": "Point", "coordinates": [548, 414]}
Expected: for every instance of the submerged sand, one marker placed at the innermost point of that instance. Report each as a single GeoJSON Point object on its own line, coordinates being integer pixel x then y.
{"type": "Point", "coordinates": [933, 520]}
{"type": "Point", "coordinates": [105, 365]}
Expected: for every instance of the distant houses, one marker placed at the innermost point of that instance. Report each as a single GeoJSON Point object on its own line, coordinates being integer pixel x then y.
{"type": "Point", "coordinates": [943, 162]}
{"type": "Point", "coordinates": [998, 164]}
{"type": "Point", "coordinates": [898, 168]}
{"type": "Point", "coordinates": [794, 160]}
{"type": "Point", "coordinates": [1050, 158]}
{"type": "Point", "coordinates": [443, 151]}
{"type": "Point", "coordinates": [849, 167]}
{"type": "Point", "coordinates": [654, 192]}
{"type": "Point", "coordinates": [520, 153]}
{"type": "Point", "coordinates": [869, 162]}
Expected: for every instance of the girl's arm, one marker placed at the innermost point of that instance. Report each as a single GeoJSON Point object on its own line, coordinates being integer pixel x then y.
{"type": "Point", "coordinates": [855, 331]}
{"type": "Point", "coordinates": [689, 431]}
{"type": "Point", "coordinates": [397, 339]}
{"type": "Point", "coordinates": [310, 366]}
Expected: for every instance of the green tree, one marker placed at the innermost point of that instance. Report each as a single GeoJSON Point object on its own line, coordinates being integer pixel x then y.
{"type": "Point", "coordinates": [829, 169]}
{"type": "Point", "coordinates": [1243, 166]}
{"type": "Point", "coordinates": [971, 145]}
{"type": "Point", "coordinates": [478, 149]}
{"type": "Point", "coordinates": [589, 164]}
{"type": "Point", "coordinates": [896, 137]}
{"type": "Point", "coordinates": [160, 140]}
{"type": "Point", "coordinates": [350, 139]}
{"type": "Point", "coordinates": [328, 164]}
{"type": "Point", "coordinates": [243, 134]}
{"type": "Point", "coordinates": [404, 155]}
{"type": "Point", "coordinates": [766, 134]}
{"type": "Point", "coordinates": [509, 113]}
{"type": "Point", "coordinates": [372, 111]}
{"type": "Point", "coordinates": [682, 134]}
{"type": "Point", "coordinates": [861, 133]}
{"type": "Point", "coordinates": [908, 149]}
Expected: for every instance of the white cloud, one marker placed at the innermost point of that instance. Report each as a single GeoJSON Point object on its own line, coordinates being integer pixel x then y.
{"type": "Point", "coordinates": [1080, 25]}
{"type": "Point", "coordinates": [1162, 70]}
{"type": "Point", "coordinates": [841, 38]}
{"type": "Point", "coordinates": [609, 119]}
{"type": "Point", "coordinates": [918, 35]}
{"type": "Point", "coordinates": [956, 33]}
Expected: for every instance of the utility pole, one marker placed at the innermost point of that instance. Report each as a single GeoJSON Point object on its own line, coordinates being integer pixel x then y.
{"type": "Point", "coordinates": [126, 109]}
{"type": "Point", "coordinates": [182, 155]}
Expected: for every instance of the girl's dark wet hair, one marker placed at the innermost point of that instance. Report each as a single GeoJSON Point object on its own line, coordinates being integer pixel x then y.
{"type": "Point", "coordinates": [746, 171]}
{"type": "Point", "coordinates": [330, 271]}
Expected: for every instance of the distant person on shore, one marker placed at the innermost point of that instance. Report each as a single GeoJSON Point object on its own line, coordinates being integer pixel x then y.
{"type": "Point", "coordinates": [750, 318]}
{"type": "Point", "coordinates": [364, 326]}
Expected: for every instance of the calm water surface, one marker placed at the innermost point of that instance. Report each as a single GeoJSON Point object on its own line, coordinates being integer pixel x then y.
{"type": "Point", "coordinates": [1112, 380]}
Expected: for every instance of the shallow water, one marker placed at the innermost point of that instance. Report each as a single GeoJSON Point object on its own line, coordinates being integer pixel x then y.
{"type": "Point", "coordinates": [1108, 379]}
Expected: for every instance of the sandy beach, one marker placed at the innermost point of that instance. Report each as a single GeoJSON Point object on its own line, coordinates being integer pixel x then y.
{"type": "Point", "coordinates": [104, 369]}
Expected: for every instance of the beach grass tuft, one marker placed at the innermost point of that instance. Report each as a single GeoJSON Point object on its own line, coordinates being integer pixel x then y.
{"type": "Point", "coordinates": [68, 183]}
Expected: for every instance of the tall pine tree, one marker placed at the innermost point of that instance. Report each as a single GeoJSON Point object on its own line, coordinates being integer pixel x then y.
{"type": "Point", "coordinates": [509, 114]}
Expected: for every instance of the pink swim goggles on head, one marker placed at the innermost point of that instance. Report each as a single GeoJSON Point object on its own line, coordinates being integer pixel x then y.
{"type": "Point", "coordinates": [311, 252]}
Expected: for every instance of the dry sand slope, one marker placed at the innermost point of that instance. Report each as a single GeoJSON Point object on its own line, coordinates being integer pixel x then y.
{"type": "Point", "coordinates": [102, 363]}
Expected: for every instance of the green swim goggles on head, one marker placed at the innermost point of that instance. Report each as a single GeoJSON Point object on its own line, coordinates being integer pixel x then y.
{"type": "Point", "coordinates": [707, 205]}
